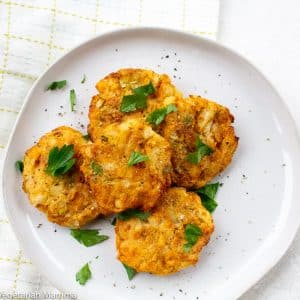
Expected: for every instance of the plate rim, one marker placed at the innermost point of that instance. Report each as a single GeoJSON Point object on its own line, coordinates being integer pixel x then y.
{"type": "Point", "coordinates": [281, 248]}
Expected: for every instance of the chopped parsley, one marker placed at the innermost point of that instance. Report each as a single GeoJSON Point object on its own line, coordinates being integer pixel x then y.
{"type": "Point", "coordinates": [19, 166]}
{"type": "Point", "coordinates": [138, 100]}
{"type": "Point", "coordinates": [158, 115]}
{"type": "Point", "coordinates": [136, 157]}
{"type": "Point", "coordinates": [86, 137]}
{"type": "Point", "coordinates": [133, 213]}
{"type": "Point", "coordinates": [88, 237]}
{"type": "Point", "coordinates": [57, 85]}
{"type": "Point", "coordinates": [192, 233]}
{"type": "Point", "coordinates": [130, 271]}
{"type": "Point", "coordinates": [60, 161]}
{"type": "Point", "coordinates": [97, 169]}
{"type": "Point", "coordinates": [72, 99]}
{"type": "Point", "coordinates": [201, 151]}
{"type": "Point", "coordinates": [114, 221]}
{"type": "Point", "coordinates": [83, 79]}
{"type": "Point", "coordinates": [84, 274]}
{"type": "Point", "coordinates": [208, 194]}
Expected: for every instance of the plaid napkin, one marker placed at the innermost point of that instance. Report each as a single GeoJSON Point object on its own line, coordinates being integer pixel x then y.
{"type": "Point", "coordinates": [34, 33]}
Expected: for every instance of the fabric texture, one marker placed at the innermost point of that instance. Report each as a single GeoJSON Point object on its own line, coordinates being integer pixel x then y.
{"type": "Point", "coordinates": [33, 34]}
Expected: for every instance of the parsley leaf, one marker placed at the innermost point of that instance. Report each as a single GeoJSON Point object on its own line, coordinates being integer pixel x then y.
{"type": "Point", "coordinates": [84, 274]}
{"type": "Point", "coordinates": [130, 271]}
{"type": "Point", "coordinates": [86, 137]}
{"type": "Point", "coordinates": [19, 166]}
{"type": "Point", "coordinates": [201, 151]}
{"type": "Point", "coordinates": [56, 85]}
{"type": "Point", "coordinates": [97, 169]}
{"type": "Point", "coordinates": [207, 194]}
{"type": "Point", "coordinates": [72, 99]}
{"type": "Point", "coordinates": [192, 233]}
{"type": "Point", "coordinates": [145, 90]}
{"type": "Point", "coordinates": [114, 221]}
{"type": "Point", "coordinates": [136, 157]}
{"type": "Point", "coordinates": [138, 100]}
{"type": "Point", "coordinates": [133, 213]}
{"type": "Point", "coordinates": [60, 161]}
{"type": "Point", "coordinates": [88, 237]}
{"type": "Point", "coordinates": [83, 79]}
{"type": "Point", "coordinates": [157, 116]}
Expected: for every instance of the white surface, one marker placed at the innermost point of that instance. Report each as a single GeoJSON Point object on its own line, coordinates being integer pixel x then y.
{"type": "Point", "coordinates": [268, 33]}
{"type": "Point", "coordinates": [249, 236]}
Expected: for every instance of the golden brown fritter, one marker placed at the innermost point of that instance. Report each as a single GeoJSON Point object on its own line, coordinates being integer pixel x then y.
{"type": "Point", "coordinates": [66, 199]}
{"type": "Point", "coordinates": [196, 117]}
{"type": "Point", "coordinates": [211, 122]}
{"type": "Point", "coordinates": [118, 186]}
{"type": "Point", "coordinates": [105, 107]}
{"type": "Point", "coordinates": [156, 245]}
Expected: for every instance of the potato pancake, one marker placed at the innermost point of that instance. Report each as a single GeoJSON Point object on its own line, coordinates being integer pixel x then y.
{"type": "Point", "coordinates": [159, 245]}
{"type": "Point", "coordinates": [198, 119]}
{"type": "Point", "coordinates": [117, 184]}
{"type": "Point", "coordinates": [65, 199]}
{"type": "Point", "coordinates": [105, 107]}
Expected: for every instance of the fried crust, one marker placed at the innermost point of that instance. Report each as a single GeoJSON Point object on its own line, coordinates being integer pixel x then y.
{"type": "Point", "coordinates": [211, 122]}
{"type": "Point", "coordinates": [117, 186]}
{"type": "Point", "coordinates": [196, 116]}
{"type": "Point", "coordinates": [66, 200]}
{"type": "Point", "coordinates": [105, 107]}
{"type": "Point", "coordinates": [156, 245]}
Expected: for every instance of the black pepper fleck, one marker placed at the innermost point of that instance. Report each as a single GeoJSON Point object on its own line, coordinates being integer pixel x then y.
{"type": "Point", "coordinates": [39, 226]}
{"type": "Point", "coordinates": [167, 56]}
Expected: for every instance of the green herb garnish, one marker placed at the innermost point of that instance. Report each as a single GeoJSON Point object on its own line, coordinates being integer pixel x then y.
{"type": "Point", "coordinates": [83, 79]}
{"type": "Point", "coordinates": [72, 99]}
{"type": "Point", "coordinates": [192, 233]}
{"type": "Point", "coordinates": [60, 161]}
{"type": "Point", "coordinates": [88, 237]}
{"type": "Point", "coordinates": [130, 271]}
{"type": "Point", "coordinates": [97, 169]}
{"type": "Point", "coordinates": [136, 157]}
{"type": "Point", "coordinates": [86, 137]}
{"type": "Point", "coordinates": [19, 166]}
{"type": "Point", "coordinates": [201, 151]}
{"type": "Point", "coordinates": [138, 100]}
{"type": "Point", "coordinates": [208, 194]}
{"type": "Point", "coordinates": [114, 221]}
{"type": "Point", "coordinates": [57, 85]}
{"type": "Point", "coordinates": [157, 116]}
{"type": "Point", "coordinates": [84, 274]}
{"type": "Point", "coordinates": [133, 213]}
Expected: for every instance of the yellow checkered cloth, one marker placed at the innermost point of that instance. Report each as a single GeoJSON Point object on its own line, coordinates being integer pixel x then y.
{"type": "Point", "coordinates": [34, 33]}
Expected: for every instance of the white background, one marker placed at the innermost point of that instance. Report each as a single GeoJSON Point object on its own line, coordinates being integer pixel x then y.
{"type": "Point", "coordinates": [267, 32]}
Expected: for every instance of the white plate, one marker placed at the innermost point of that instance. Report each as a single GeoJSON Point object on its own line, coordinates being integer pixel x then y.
{"type": "Point", "coordinates": [259, 207]}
